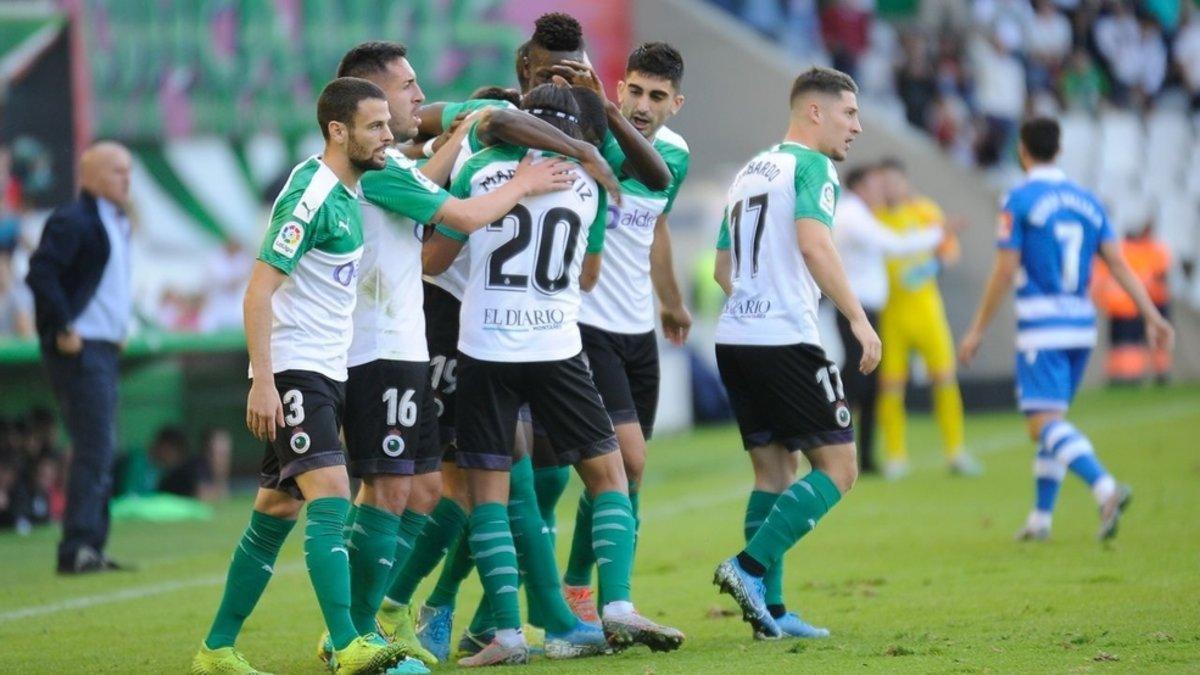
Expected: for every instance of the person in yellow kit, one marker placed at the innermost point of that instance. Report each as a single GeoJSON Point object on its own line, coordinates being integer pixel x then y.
{"type": "Point", "coordinates": [915, 320]}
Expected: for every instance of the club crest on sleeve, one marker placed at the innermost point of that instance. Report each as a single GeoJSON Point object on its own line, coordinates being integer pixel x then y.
{"type": "Point", "coordinates": [828, 198]}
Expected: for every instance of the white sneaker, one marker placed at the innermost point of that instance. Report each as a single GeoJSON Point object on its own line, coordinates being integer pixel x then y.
{"type": "Point", "coordinates": [895, 469]}
{"type": "Point", "coordinates": [964, 464]}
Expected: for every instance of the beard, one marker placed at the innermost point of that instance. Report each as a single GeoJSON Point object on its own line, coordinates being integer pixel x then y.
{"type": "Point", "coordinates": [362, 158]}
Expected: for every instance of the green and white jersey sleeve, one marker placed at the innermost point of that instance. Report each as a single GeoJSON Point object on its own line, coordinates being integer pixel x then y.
{"type": "Point", "coordinates": [623, 299]}
{"type": "Point", "coordinates": [389, 319]}
{"type": "Point", "coordinates": [315, 238]}
{"type": "Point", "coordinates": [774, 300]}
{"type": "Point", "coordinates": [521, 301]}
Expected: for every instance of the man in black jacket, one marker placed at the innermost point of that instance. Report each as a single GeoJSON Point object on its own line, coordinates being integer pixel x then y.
{"type": "Point", "coordinates": [83, 301]}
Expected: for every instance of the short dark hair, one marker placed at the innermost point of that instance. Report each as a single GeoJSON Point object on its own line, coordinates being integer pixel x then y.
{"type": "Point", "coordinates": [369, 58]}
{"type": "Point", "coordinates": [498, 93]}
{"type": "Point", "coordinates": [823, 80]}
{"type": "Point", "coordinates": [339, 101]}
{"type": "Point", "coordinates": [892, 163]}
{"type": "Point", "coordinates": [857, 175]}
{"type": "Point", "coordinates": [522, 52]}
{"type": "Point", "coordinates": [593, 122]}
{"type": "Point", "coordinates": [658, 59]}
{"type": "Point", "coordinates": [556, 106]}
{"type": "Point", "coordinates": [1040, 138]}
{"type": "Point", "coordinates": [557, 32]}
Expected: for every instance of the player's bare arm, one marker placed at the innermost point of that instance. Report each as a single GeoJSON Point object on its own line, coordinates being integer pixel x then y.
{"type": "Point", "coordinates": [532, 178]}
{"type": "Point", "coordinates": [1159, 333]}
{"type": "Point", "coordinates": [517, 127]}
{"type": "Point", "coordinates": [642, 161]}
{"type": "Point", "coordinates": [264, 410]}
{"type": "Point", "coordinates": [998, 285]}
{"type": "Point", "coordinates": [589, 274]}
{"type": "Point", "coordinates": [723, 271]}
{"type": "Point", "coordinates": [676, 319]}
{"type": "Point", "coordinates": [823, 261]}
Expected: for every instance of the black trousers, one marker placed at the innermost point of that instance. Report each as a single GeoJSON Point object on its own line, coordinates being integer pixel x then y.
{"type": "Point", "coordinates": [861, 391]}
{"type": "Point", "coordinates": [86, 388]}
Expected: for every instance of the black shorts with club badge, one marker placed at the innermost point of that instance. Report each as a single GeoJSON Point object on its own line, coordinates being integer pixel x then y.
{"type": "Point", "coordinates": [312, 410]}
{"type": "Point", "coordinates": [561, 397]}
{"type": "Point", "coordinates": [391, 419]}
{"type": "Point", "coordinates": [441, 335]}
{"type": "Point", "coordinates": [789, 394]}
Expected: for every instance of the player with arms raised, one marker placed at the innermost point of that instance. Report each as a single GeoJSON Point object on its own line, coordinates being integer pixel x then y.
{"type": "Point", "coordinates": [1052, 229]}
{"type": "Point", "coordinates": [776, 256]}
{"type": "Point", "coordinates": [298, 310]}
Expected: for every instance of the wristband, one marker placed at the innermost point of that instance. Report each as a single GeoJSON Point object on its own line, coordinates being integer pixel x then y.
{"type": "Point", "coordinates": [427, 149]}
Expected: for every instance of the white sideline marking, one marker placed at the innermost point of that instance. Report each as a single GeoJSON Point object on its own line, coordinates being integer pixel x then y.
{"type": "Point", "coordinates": [134, 593]}
{"type": "Point", "coordinates": [985, 446]}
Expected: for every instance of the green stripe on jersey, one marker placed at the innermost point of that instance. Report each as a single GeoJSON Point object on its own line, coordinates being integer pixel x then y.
{"type": "Point", "coordinates": [817, 184]}
{"type": "Point", "coordinates": [402, 189]}
{"type": "Point", "coordinates": [314, 211]}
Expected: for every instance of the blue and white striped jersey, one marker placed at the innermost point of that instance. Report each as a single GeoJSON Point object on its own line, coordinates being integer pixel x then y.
{"type": "Point", "coordinates": [1058, 227]}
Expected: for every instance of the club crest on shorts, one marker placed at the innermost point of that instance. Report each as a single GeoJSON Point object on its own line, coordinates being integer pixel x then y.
{"type": "Point", "coordinates": [300, 442]}
{"type": "Point", "coordinates": [842, 413]}
{"type": "Point", "coordinates": [393, 444]}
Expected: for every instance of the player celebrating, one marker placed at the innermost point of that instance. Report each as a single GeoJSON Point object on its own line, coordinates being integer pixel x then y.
{"type": "Point", "coordinates": [520, 342]}
{"type": "Point", "coordinates": [1051, 228]}
{"type": "Point", "coordinates": [777, 256]}
{"type": "Point", "coordinates": [298, 308]}
{"type": "Point", "coordinates": [617, 317]}
{"type": "Point", "coordinates": [390, 420]}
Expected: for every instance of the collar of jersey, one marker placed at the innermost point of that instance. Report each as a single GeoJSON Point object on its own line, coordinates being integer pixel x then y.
{"type": "Point", "coordinates": [1046, 172]}
{"type": "Point", "coordinates": [352, 190]}
{"type": "Point", "coordinates": [801, 145]}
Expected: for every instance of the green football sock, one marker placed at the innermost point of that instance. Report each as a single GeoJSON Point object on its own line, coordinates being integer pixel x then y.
{"type": "Point", "coordinates": [535, 554]}
{"type": "Point", "coordinates": [582, 557]}
{"type": "Point", "coordinates": [612, 540]}
{"type": "Point", "coordinates": [444, 524]}
{"type": "Point", "coordinates": [458, 567]}
{"type": "Point", "coordinates": [550, 483]}
{"type": "Point", "coordinates": [328, 565]}
{"type": "Point", "coordinates": [249, 571]}
{"type": "Point", "coordinates": [757, 510]}
{"type": "Point", "coordinates": [795, 514]}
{"type": "Point", "coordinates": [348, 528]}
{"type": "Point", "coordinates": [496, 559]}
{"type": "Point", "coordinates": [411, 525]}
{"type": "Point", "coordinates": [372, 558]}
{"type": "Point", "coordinates": [482, 622]}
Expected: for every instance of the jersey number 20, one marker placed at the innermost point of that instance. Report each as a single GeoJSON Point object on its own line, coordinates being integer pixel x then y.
{"type": "Point", "coordinates": [498, 279]}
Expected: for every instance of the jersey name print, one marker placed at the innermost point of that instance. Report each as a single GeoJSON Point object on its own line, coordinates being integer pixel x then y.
{"type": "Point", "coordinates": [521, 301]}
{"type": "Point", "coordinates": [774, 300]}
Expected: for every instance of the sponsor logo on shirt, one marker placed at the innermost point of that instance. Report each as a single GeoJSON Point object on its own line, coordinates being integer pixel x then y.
{"type": "Point", "coordinates": [828, 199]}
{"type": "Point", "coordinates": [287, 242]}
{"type": "Point", "coordinates": [754, 308]}
{"type": "Point", "coordinates": [424, 181]}
{"type": "Point", "coordinates": [636, 218]}
{"type": "Point", "coordinates": [522, 319]}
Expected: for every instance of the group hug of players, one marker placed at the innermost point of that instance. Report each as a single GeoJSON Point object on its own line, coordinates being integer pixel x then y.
{"type": "Point", "coordinates": [471, 347]}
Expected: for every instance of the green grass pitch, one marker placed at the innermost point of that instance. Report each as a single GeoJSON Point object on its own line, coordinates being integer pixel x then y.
{"type": "Point", "coordinates": [920, 575]}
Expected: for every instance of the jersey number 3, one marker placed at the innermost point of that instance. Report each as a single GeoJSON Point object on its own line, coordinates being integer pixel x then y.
{"type": "Point", "coordinates": [549, 228]}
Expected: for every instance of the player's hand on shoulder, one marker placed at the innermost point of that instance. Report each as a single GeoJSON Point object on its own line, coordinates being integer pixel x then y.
{"type": "Point", "coordinates": [676, 323]}
{"type": "Point", "coordinates": [595, 166]}
{"type": "Point", "coordinates": [264, 410]}
{"type": "Point", "coordinates": [547, 175]}
{"type": "Point", "coordinates": [872, 346]}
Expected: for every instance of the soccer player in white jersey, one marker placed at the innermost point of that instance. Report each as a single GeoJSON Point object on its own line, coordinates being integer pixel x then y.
{"type": "Point", "coordinates": [520, 342]}
{"type": "Point", "coordinates": [390, 422]}
{"type": "Point", "coordinates": [298, 310]}
{"type": "Point", "coordinates": [777, 255]}
{"type": "Point", "coordinates": [1051, 229]}
{"type": "Point", "coordinates": [616, 322]}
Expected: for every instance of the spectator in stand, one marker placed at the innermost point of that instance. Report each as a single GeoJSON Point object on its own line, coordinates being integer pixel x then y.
{"type": "Point", "coordinates": [846, 28]}
{"type": "Point", "coordinates": [1128, 356]}
{"type": "Point", "coordinates": [181, 472]}
{"type": "Point", "coordinates": [916, 84]}
{"type": "Point", "coordinates": [1049, 45]}
{"type": "Point", "coordinates": [11, 498]}
{"type": "Point", "coordinates": [1187, 55]}
{"type": "Point", "coordinates": [1082, 85]}
{"type": "Point", "coordinates": [1133, 52]}
{"type": "Point", "coordinates": [228, 270]}
{"type": "Point", "coordinates": [999, 95]}
{"type": "Point", "coordinates": [216, 446]}
{"type": "Point", "coordinates": [16, 303]}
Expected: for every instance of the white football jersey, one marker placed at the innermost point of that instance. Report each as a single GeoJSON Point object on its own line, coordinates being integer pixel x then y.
{"type": "Point", "coordinates": [522, 299]}
{"type": "Point", "coordinates": [775, 297]}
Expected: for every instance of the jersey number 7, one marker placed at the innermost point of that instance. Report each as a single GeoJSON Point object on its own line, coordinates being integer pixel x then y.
{"type": "Point", "coordinates": [758, 205]}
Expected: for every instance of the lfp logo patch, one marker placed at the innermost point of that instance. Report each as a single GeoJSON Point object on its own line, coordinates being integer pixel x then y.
{"type": "Point", "coordinates": [287, 242]}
